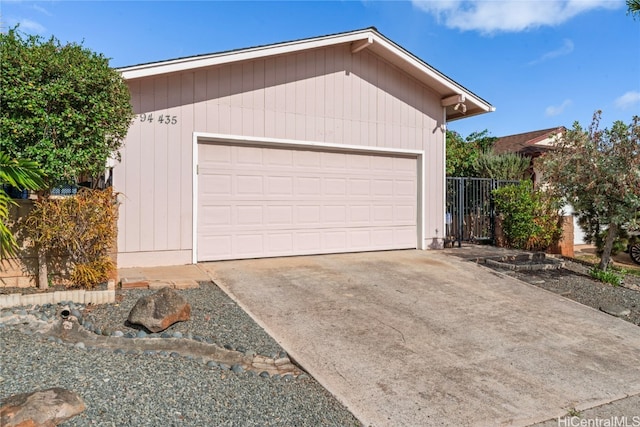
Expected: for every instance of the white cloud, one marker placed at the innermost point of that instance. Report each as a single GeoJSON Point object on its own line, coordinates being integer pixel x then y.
{"type": "Point", "coordinates": [565, 49]}
{"type": "Point", "coordinates": [556, 110]}
{"type": "Point", "coordinates": [627, 100]}
{"type": "Point", "coordinates": [509, 15]}
{"type": "Point", "coordinates": [30, 26]}
{"type": "Point", "coordinates": [41, 10]}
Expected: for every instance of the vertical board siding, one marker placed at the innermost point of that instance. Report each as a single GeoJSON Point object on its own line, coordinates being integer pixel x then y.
{"type": "Point", "coordinates": [159, 151]}
{"type": "Point", "coordinates": [147, 167]}
{"type": "Point", "coordinates": [322, 95]}
{"type": "Point", "coordinates": [174, 152]}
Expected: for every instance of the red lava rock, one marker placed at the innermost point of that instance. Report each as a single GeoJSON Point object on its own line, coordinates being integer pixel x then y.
{"type": "Point", "coordinates": [158, 311]}
{"type": "Point", "coordinates": [44, 408]}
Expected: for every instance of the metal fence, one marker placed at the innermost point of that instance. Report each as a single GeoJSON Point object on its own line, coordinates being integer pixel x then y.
{"type": "Point", "coordinates": [470, 215]}
{"type": "Point", "coordinates": [101, 183]}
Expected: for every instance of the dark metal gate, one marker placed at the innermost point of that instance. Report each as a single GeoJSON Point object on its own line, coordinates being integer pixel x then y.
{"type": "Point", "coordinates": [470, 213]}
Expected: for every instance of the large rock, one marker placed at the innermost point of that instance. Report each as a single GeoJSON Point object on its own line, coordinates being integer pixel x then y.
{"type": "Point", "coordinates": [158, 311]}
{"type": "Point", "coordinates": [45, 408]}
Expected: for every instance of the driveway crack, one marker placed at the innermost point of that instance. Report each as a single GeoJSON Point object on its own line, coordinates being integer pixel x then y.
{"type": "Point", "coordinates": [395, 329]}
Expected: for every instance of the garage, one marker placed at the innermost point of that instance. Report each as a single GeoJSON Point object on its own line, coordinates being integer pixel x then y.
{"type": "Point", "coordinates": [329, 144]}
{"type": "Point", "coordinates": [259, 201]}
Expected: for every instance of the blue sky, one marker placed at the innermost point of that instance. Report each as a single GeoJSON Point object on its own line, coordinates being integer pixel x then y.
{"type": "Point", "coordinates": [541, 63]}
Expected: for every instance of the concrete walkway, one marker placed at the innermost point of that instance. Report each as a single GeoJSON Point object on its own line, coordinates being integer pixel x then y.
{"type": "Point", "coordinates": [419, 338]}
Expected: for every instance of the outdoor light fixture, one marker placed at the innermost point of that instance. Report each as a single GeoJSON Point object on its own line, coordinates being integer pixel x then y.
{"type": "Point", "coordinates": [457, 101]}
{"type": "Point", "coordinates": [461, 107]}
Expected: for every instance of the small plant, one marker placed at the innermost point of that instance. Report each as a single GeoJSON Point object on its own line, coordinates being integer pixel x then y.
{"type": "Point", "coordinates": [573, 412]}
{"type": "Point", "coordinates": [606, 276]}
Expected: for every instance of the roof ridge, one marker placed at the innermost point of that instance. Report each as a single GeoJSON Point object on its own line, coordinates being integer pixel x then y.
{"type": "Point", "coordinates": [246, 48]}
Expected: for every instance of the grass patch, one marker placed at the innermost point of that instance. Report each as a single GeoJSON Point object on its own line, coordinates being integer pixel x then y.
{"type": "Point", "coordinates": [607, 276]}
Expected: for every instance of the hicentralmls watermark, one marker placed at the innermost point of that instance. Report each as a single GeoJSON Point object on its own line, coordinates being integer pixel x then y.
{"type": "Point", "coordinates": [599, 422]}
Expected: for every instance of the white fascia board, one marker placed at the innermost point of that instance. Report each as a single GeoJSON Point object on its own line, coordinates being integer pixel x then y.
{"type": "Point", "coordinates": [183, 64]}
{"type": "Point", "coordinates": [433, 75]}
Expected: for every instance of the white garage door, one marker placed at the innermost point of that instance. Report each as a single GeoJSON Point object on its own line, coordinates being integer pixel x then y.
{"type": "Point", "coordinates": [256, 202]}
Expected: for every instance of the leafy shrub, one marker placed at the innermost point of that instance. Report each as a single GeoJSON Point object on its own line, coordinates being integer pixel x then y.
{"type": "Point", "coordinates": [81, 228]}
{"type": "Point", "coordinates": [502, 166]}
{"type": "Point", "coordinates": [530, 218]}
{"type": "Point", "coordinates": [89, 274]}
{"type": "Point", "coordinates": [606, 276]}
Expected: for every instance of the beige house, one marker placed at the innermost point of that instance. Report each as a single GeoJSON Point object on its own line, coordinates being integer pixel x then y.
{"type": "Point", "coordinates": [324, 145]}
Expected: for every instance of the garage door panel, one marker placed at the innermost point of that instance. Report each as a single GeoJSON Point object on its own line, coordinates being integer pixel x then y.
{"type": "Point", "coordinates": [334, 215]}
{"type": "Point", "coordinates": [334, 240]}
{"type": "Point", "coordinates": [359, 187]}
{"type": "Point", "coordinates": [308, 242]}
{"type": "Point", "coordinates": [381, 164]}
{"type": "Point", "coordinates": [250, 215]}
{"type": "Point", "coordinates": [212, 216]}
{"type": "Point", "coordinates": [383, 187]}
{"type": "Point", "coordinates": [404, 187]}
{"type": "Point", "coordinates": [334, 187]}
{"type": "Point", "coordinates": [333, 161]}
{"type": "Point", "coordinates": [279, 215]}
{"type": "Point", "coordinates": [280, 186]}
{"type": "Point", "coordinates": [280, 243]}
{"type": "Point", "coordinates": [248, 156]}
{"type": "Point", "coordinates": [279, 157]}
{"type": "Point", "coordinates": [250, 184]}
{"type": "Point", "coordinates": [216, 183]}
{"type": "Point", "coordinates": [307, 186]}
{"type": "Point", "coordinates": [260, 202]}
{"type": "Point", "coordinates": [404, 214]}
{"type": "Point", "coordinates": [217, 155]}
{"type": "Point", "coordinates": [308, 215]}
{"type": "Point", "coordinates": [306, 159]}
{"type": "Point", "coordinates": [359, 214]}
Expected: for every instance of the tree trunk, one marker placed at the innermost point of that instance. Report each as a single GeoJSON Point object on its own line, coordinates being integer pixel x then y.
{"type": "Point", "coordinates": [605, 258]}
{"type": "Point", "coordinates": [43, 274]}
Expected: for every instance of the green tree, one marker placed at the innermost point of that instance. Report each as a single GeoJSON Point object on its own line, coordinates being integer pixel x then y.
{"type": "Point", "coordinates": [21, 174]}
{"type": "Point", "coordinates": [598, 172]}
{"type": "Point", "coordinates": [633, 7]}
{"type": "Point", "coordinates": [462, 153]}
{"type": "Point", "coordinates": [510, 166]}
{"type": "Point", "coordinates": [61, 106]}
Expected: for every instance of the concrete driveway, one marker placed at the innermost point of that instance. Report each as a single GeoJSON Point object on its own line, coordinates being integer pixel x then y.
{"type": "Point", "coordinates": [419, 338]}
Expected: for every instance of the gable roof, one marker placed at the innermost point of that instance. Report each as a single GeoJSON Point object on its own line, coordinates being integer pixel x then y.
{"type": "Point", "coordinates": [458, 101]}
{"type": "Point", "coordinates": [528, 143]}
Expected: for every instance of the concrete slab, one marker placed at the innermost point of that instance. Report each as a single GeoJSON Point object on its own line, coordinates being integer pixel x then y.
{"type": "Point", "coordinates": [422, 338]}
{"type": "Point", "coordinates": [176, 273]}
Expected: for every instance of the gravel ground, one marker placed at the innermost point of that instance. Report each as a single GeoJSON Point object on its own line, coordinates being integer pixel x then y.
{"type": "Point", "coordinates": [574, 282]}
{"type": "Point", "coordinates": [143, 390]}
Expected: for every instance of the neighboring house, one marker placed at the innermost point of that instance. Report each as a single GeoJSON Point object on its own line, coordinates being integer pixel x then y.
{"type": "Point", "coordinates": [324, 145]}
{"type": "Point", "coordinates": [529, 144]}
{"type": "Point", "coordinates": [533, 145]}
